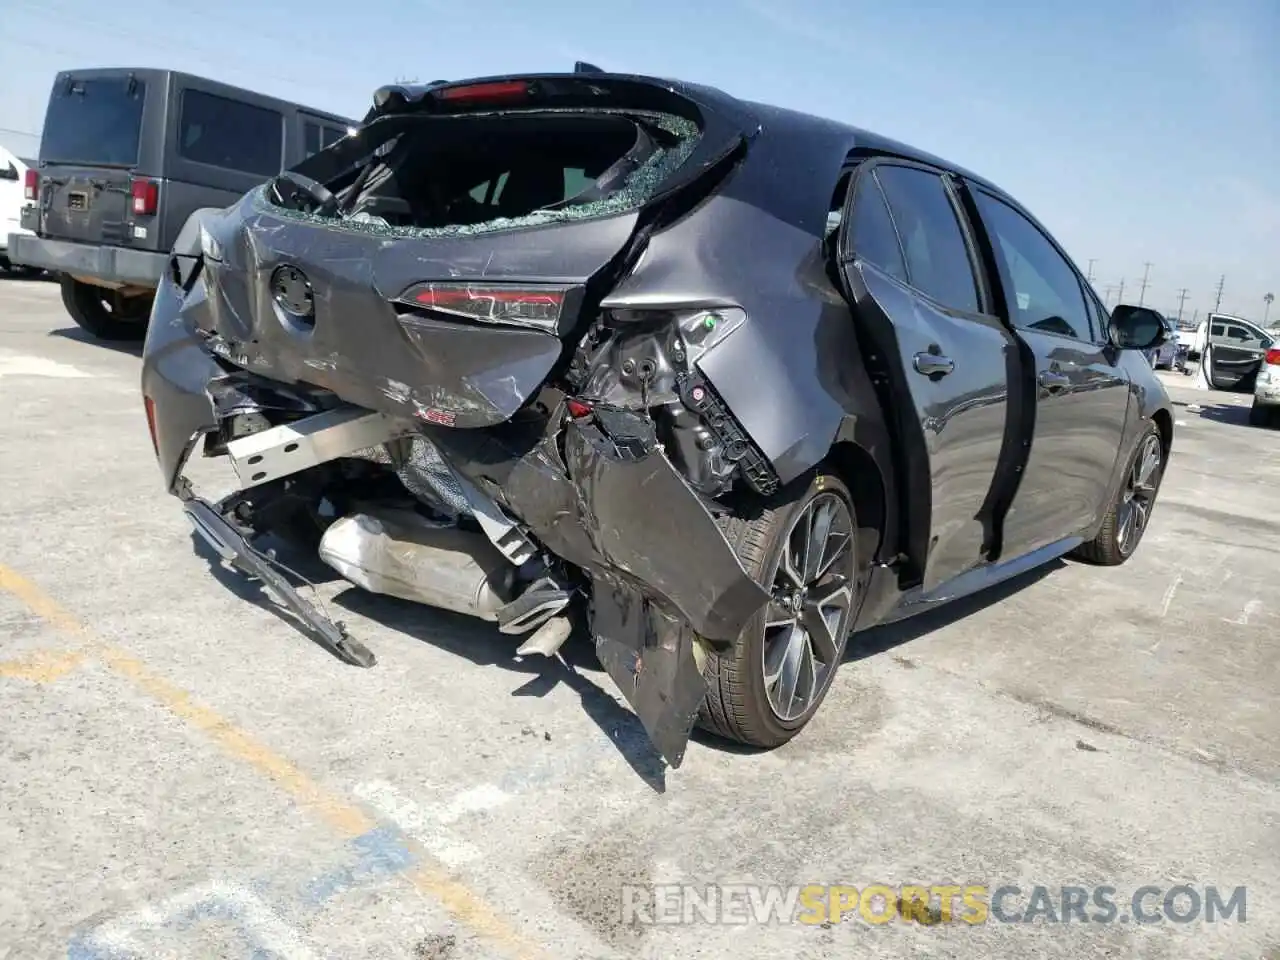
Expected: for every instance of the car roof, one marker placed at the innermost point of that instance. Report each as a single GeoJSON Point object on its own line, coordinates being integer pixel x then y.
{"type": "Point", "coordinates": [868, 141]}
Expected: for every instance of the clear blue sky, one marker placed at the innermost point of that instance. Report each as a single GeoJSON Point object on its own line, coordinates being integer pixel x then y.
{"type": "Point", "coordinates": [1136, 130]}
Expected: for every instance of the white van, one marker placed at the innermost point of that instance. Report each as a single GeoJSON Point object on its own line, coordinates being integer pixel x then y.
{"type": "Point", "coordinates": [13, 197]}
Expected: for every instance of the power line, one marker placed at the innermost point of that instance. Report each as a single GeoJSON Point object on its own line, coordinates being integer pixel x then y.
{"type": "Point", "coordinates": [1182, 298]}
{"type": "Point", "coordinates": [1142, 292]}
{"type": "Point", "coordinates": [21, 133]}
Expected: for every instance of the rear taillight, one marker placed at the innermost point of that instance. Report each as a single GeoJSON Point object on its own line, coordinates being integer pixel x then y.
{"type": "Point", "coordinates": [150, 406]}
{"type": "Point", "coordinates": [501, 91]}
{"type": "Point", "coordinates": [31, 186]}
{"type": "Point", "coordinates": [146, 197]}
{"type": "Point", "coordinates": [1273, 356]}
{"type": "Point", "coordinates": [526, 306]}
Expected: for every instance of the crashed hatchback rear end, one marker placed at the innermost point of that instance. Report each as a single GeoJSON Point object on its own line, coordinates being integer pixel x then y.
{"type": "Point", "coordinates": [426, 353]}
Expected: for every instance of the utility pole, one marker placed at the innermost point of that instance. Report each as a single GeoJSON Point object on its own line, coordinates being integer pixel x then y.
{"type": "Point", "coordinates": [1089, 276]}
{"type": "Point", "coordinates": [1106, 295]}
{"type": "Point", "coordinates": [1182, 298]}
{"type": "Point", "coordinates": [1120, 296]}
{"type": "Point", "coordinates": [1142, 293]}
{"type": "Point", "coordinates": [1217, 300]}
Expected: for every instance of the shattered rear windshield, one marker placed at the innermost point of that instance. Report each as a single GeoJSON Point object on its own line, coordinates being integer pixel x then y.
{"type": "Point", "coordinates": [482, 188]}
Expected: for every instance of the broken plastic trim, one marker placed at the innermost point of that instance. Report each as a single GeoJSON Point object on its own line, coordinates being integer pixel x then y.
{"type": "Point", "coordinates": [235, 549]}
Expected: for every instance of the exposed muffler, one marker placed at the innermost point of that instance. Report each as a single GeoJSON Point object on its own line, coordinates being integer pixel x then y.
{"type": "Point", "coordinates": [403, 554]}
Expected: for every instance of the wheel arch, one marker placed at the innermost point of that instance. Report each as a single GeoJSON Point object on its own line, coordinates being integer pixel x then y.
{"type": "Point", "coordinates": [1163, 420]}
{"type": "Point", "coordinates": [863, 475]}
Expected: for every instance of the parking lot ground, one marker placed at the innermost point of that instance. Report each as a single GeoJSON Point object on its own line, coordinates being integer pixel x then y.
{"type": "Point", "coordinates": [183, 774]}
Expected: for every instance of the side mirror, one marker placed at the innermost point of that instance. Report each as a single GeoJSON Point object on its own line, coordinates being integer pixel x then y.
{"type": "Point", "coordinates": [9, 172]}
{"type": "Point", "coordinates": [1137, 328]}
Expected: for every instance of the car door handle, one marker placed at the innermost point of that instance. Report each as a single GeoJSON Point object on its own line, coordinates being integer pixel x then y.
{"type": "Point", "coordinates": [1054, 382]}
{"type": "Point", "coordinates": [933, 364]}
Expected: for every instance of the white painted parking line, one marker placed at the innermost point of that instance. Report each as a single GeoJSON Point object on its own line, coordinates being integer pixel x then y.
{"type": "Point", "coordinates": [498, 875]}
{"type": "Point", "coordinates": [1251, 609]}
{"type": "Point", "coordinates": [23, 365]}
{"type": "Point", "coordinates": [430, 827]}
{"type": "Point", "coordinates": [129, 935]}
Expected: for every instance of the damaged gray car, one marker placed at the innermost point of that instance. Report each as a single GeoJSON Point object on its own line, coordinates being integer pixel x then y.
{"type": "Point", "coordinates": [718, 382]}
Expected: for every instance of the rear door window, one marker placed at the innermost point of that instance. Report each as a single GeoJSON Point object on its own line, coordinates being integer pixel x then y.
{"type": "Point", "coordinates": [96, 121]}
{"type": "Point", "coordinates": [1046, 294]}
{"type": "Point", "coordinates": [1240, 335]}
{"type": "Point", "coordinates": [230, 133]}
{"type": "Point", "coordinates": [872, 234]}
{"type": "Point", "coordinates": [937, 256]}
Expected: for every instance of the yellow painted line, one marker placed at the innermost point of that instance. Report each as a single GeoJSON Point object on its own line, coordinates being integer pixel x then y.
{"type": "Point", "coordinates": [39, 603]}
{"type": "Point", "coordinates": [346, 818]}
{"type": "Point", "coordinates": [43, 666]}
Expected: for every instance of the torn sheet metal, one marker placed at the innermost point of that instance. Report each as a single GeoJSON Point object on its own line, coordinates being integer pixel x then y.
{"type": "Point", "coordinates": [661, 568]}
{"type": "Point", "coordinates": [648, 653]}
{"type": "Point", "coordinates": [644, 520]}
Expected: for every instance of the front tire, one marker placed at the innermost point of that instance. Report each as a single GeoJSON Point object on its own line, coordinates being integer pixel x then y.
{"type": "Point", "coordinates": [1127, 518]}
{"type": "Point", "coordinates": [104, 313]}
{"type": "Point", "coordinates": [766, 687]}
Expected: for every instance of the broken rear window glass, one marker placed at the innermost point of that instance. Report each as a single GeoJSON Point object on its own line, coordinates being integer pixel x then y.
{"type": "Point", "coordinates": [461, 176]}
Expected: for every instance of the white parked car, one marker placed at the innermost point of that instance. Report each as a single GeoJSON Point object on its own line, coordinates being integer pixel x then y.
{"type": "Point", "coordinates": [13, 179]}
{"type": "Point", "coordinates": [1266, 391]}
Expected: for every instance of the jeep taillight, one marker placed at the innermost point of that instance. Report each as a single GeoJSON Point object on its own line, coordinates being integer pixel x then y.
{"type": "Point", "coordinates": [31, 186]}
{"type": "Point", "coordinates": [146, 197]}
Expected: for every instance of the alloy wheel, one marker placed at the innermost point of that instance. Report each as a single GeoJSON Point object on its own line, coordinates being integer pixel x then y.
{"type": "Point", "coordinates": [1139, 495]}
{"type": "Point", "coordinates": [807, 618]}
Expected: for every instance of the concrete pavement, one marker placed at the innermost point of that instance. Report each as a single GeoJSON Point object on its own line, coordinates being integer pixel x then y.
{"type": "Point", "coordinates": [183, 774]}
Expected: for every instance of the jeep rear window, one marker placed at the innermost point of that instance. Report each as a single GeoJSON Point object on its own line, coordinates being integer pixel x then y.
{"type": "Point", "coordinates": [94, 121]}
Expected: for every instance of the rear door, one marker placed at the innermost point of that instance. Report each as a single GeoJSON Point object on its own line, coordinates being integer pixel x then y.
{"type": "Point", "coordinates": [910, 270]}
{"type": "Point", "coordinates": [89, 149]}
{"type": "Point", "coordinates": [1236, 354]}
{"type": "Point", "coordinates": [1081, 393]}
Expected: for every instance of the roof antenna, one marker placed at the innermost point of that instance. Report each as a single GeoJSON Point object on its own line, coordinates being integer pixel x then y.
{"type": "Point", "coordinates": [583, 67]}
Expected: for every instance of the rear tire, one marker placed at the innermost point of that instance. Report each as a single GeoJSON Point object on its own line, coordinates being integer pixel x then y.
{"type": "Point", "coordinates": [104, 313]}
{"type": "Point", "coordinates": [1117, 540]}
{"type": "Point", "coordinates": [747, 698]}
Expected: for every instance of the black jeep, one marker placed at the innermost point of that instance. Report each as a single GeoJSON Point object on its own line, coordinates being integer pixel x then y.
{"type": "Point", "coordinates": [125, 157]}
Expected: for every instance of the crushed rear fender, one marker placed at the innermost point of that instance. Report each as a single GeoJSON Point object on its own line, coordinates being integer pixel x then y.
{"type": "Point", "coordinates": [663, 573]}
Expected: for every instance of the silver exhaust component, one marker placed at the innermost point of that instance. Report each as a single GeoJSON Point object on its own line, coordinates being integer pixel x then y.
{"type": "Point", "coordinates": [548, 638]}
{"type": "Point", "coordinates": [401, 554]}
